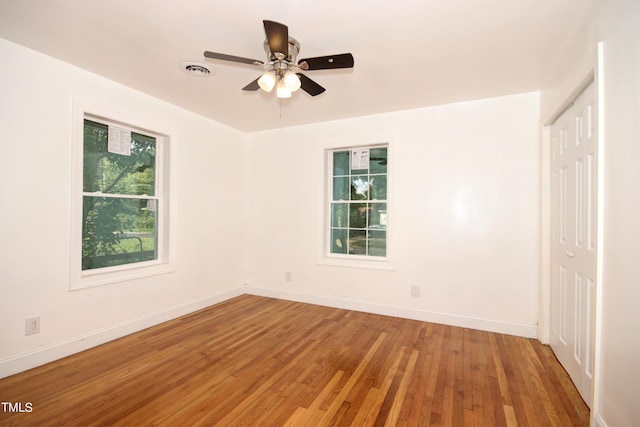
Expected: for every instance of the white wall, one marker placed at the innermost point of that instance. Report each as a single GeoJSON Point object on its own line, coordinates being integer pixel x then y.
{"type": "Point", "coordinates": [35, 138]}
{"type": "Point", "coordinates": [465, 214]}
{"type": "Point", "coordinates": [616, 23]}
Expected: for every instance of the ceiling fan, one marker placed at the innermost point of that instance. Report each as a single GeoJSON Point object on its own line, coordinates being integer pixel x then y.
{"type": "Point", "coordinates": [281, 69]}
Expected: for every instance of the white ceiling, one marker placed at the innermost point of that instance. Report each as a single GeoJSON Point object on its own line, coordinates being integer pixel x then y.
{"type": "Point", "coordinates": [408, 53]}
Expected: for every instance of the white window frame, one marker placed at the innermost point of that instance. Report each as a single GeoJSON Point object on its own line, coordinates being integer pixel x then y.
{"type": "Point", "coordinates": [350, 260]}
{"type": "Point", "coordinates": [80, 279]}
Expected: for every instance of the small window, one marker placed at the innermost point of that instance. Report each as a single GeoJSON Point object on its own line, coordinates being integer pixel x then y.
{"type": "Point", "coordinates": [121, 215]}
{"type": "Point", "coordinates": [358, 207]}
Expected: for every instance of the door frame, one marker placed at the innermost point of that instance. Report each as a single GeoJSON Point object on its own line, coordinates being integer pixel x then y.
{"type": "Point", "coordinates": [595, 75]}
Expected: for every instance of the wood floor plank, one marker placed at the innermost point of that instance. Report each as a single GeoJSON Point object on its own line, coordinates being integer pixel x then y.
{"type": "Point", "coordinates": [370, 408]}
{"type": "Point", "coordinates": [353, 379]}
{"type": "Point", "coordinates": [398, 400]}
{"type": "Point", "coordinates": [261, 361]}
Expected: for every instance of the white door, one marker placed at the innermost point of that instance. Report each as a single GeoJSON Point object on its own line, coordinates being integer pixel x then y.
{"type": "Point", "coordinates": [573, 240]}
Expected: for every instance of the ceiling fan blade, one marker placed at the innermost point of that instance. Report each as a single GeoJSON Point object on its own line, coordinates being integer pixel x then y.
{"type": "Point", "coordinates": [225, 57]}
{"type": "Point", "coordinates": [309, 86]}
{"type": "Point", "coordinates": [343, 60]}
{"type": "Point", "coordinates": [252, 86]}
{"type": "Point", "coordinates": [278, 38]}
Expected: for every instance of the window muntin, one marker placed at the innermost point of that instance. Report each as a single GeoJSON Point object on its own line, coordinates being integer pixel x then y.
{"type": "Point", "coordinates": [120, 196]}
{"type": "Point", "coordinates": [358, 206]}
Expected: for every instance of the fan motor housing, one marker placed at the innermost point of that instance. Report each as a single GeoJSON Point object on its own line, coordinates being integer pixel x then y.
{"type": "Point", "coordinates": [294, 48]}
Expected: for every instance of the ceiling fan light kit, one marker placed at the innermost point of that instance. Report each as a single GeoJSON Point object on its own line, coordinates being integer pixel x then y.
{"type": "Point", "coordinates": [281, 69]}
{"type": "Point", "coordinates": [285, 82]}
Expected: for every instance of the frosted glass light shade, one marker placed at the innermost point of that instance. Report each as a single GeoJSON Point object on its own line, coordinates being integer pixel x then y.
{"type": "Point", "coordinates": [267, 81]}
{"type": "Point", "coordinates": [291, 81]}
{"type": "Point", "coordinates": [282, 91]}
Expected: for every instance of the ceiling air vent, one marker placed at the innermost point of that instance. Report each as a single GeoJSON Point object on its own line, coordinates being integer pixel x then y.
{"type": "Point", "coordinates": [197, 69]}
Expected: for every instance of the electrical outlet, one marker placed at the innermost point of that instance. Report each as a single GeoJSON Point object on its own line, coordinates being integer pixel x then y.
{"type": "Point", "coordinates": [415, 291]}
{"type": "Point", "coordinates": [287, 276]}
{"type": "Point", "coordinates": [32, 325]}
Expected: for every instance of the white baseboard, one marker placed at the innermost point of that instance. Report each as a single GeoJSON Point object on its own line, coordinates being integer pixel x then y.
{"type": "Point", "coordinates": [527, 331]}
{"type": "Point", "coordinates": [30, 359]}
{"type": "Point", "coordinates": [598, 421]}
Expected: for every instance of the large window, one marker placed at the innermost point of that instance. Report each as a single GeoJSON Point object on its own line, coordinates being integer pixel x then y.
{"type": "Point", "coordinates": [119, 196]}
{"type": "Point", "coordinates": [358, 205]}
{"type": "Point", "coordinates": [121, 214]}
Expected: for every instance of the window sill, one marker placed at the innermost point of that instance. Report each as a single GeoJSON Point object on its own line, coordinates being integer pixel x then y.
{"type": "Point", "coordinates": [361, 263]}
{"type": "Point", "coordinates": [99, 278]}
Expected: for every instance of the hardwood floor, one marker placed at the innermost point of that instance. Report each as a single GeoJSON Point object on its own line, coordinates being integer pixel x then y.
{"type": "Point", "coordinates": [263, 362]}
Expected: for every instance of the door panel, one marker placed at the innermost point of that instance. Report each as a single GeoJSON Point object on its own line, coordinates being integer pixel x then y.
{"type": "Point", "coordinates": [573, 235]}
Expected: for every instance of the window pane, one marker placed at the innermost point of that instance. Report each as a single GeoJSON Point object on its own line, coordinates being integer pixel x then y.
{"type": "Point", "coordinates": [377, 243]}
{"type": "Point", "coordinates": [378, 160]}
{"type": "Point", "coordinates": [339, 241]}
{"type": "Point", "coordinates": [378, 187]}
{"type": "Point", "coordinates": [359, 188]}
{"type": "Point", "coordinates": [118, 231]}
{"type": "Point", "coordinates": [340, 163]}
{"type": "Point", "coordinates": [116, 173]}
{"type": "Point", "coordinates": [341, 188]}
{"type": "Point", "coordinates": [378, 216]}
{"type": "Point", "coordinates": [339, 213]}
{"type": "Point", "coordinates": [357, 242]}
{"type": "Point", "coordinates": [358, 215]}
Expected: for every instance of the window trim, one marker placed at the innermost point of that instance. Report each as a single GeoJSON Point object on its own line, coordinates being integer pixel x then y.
{"type": "Point", "coordinates": [346, 260]}
{"type": "Point", "coordinates": [165, 263]}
